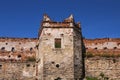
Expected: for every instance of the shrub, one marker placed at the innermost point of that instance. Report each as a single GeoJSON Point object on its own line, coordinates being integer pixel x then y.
{"type": "Point", "coordinates": [91, 78]}
{"type": "Point", "coordinates": [88, 54]}
{"type": "Point", "coordinates": [32, 59]}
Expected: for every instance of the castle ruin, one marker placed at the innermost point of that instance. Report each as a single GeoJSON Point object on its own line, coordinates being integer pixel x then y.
{"type": "Point", "coordinates": [60, 50]}
{"type": "Point", "coordinates": [58, 54]}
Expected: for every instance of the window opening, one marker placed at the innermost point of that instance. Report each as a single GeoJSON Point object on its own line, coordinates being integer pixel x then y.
{"type": "Point", "coordinates": [28, 65]}
{"type": "Point", "coordinates": [3, 48]}
{"type": "Point", "coordinates": [31, 49]}
{"type": "Point", "coordinates": [53, 62]}
{"type": "Point", "coordinates": [57, 43]}
{"type": "Point", "coordinates": [115, 48]}
{"type": "Point", "coordinates": [13, 49]}
{"type": "Point", "coordinates": [95, 48]}
{"type": "Point", "coordinates": [57, 65]}
{"type": "Point", "coordinates": [19, 56]}
{"type": "Point", "coordinates": [9, 56]}
{"type": "Point", "coordinates": [6, 43]}
{"type": "Point", "coordinates": [105, 48]}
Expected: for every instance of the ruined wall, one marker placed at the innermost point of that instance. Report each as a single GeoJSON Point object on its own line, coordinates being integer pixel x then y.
{"type": "Point", "coordinates": [103, 58]}
{"type": "Point", "coordinates": [56, 62]}
{"type": "Point", "coordinates": [24, 58]}
{"type": "Point", "coordinates": [103, 47]}
{"type": "Point", "coordinates": [17, 59]}
{"type": "Point", "coordinates": [102, 66]}
{"type": "Point", "coordinates": [17, 67]}
{"type": "Point", "coordinates": [17, 71]}
{"type": "Point", "coordinates": [103, 43]}
{"type": "Point", "coordinates": [17, 49]}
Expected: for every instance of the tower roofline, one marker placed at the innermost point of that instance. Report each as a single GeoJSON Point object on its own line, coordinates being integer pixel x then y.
{"type": "Point", "coordinates": [67, 23]}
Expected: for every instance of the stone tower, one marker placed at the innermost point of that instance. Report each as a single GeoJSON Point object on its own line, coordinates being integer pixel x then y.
{"type": "Point", "coordinates": [60, 55]}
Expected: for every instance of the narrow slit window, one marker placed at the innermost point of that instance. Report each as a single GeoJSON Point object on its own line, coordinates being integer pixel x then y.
{"type": "Point", "coordinates": [57, 43]}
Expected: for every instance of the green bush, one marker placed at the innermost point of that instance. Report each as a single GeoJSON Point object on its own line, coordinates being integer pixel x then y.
{"type": "Point", "coordinates": [88, 54]}
{"type": "Point", "coordinates": [91, 78]}
{"type": "Point", "coordinates": [31, 59]}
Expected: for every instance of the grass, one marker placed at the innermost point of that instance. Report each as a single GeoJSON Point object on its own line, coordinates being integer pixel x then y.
{"type": "Point", "coordinates": [100, 77]}
{"type": "Point", "coordinates": [107, 55]}
{"type": "Point", "coordinates": [89, 54]}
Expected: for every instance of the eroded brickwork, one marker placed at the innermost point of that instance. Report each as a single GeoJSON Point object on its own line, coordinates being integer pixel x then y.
{"type": "Point", "coordinates": [104, 47]}
{"type": "Point", "coordinates": [17, 49]}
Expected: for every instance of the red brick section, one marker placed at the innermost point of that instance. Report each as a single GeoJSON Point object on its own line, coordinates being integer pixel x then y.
{"type": "Point", "coordinates": [18, 55]}
{"type": "Point", "coordinates": [115, 52]}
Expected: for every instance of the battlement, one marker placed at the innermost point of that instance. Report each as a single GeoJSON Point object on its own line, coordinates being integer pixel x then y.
{"type": "Point", "coordinates": [67, 23]}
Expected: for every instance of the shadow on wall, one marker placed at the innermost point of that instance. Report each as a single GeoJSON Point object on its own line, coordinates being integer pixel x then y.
{"type": "Point", "coordinates": [83, 57]}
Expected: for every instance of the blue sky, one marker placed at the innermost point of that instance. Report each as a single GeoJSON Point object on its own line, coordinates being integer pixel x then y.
{"type": "Point", "coordinates": [21, 18]}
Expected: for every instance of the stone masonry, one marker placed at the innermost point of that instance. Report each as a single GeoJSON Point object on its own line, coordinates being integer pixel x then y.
{"type": "Point", "coordinates": [60, 50]}
{"type": "Point", "coordinates": [58, 54]}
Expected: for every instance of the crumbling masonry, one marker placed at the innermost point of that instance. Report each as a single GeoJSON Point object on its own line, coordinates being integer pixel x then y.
{"type": "Point", "coordinates": [60, 50]}
{"type": "Point", "coordinates": [58, 54]}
